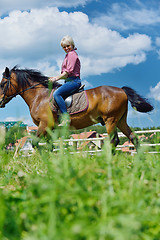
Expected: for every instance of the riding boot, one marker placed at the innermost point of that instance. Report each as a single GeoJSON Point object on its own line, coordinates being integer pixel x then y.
{"type": "Point", "coordinates": [65, 120]}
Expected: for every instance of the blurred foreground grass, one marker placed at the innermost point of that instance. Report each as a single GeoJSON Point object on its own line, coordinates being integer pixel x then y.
{"type": "Point", "coordinates": [59, 196]}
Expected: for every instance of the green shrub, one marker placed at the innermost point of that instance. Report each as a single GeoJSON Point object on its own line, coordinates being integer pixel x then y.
{"type": "Point", "coordinates": [64, 196]}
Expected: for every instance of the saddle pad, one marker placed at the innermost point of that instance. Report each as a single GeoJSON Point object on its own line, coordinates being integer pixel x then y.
{"type": "Point", "coordinates": [79, 103]}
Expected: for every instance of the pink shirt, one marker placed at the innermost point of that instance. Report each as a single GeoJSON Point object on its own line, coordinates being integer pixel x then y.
{"type": "Point", "coordinates": [71, 64]}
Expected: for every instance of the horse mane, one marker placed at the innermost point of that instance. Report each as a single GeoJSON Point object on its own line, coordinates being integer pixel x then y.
{"type": "Point", "coordinates": [23, 76]}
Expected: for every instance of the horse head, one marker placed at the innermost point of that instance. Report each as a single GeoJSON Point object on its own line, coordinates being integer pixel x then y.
{"type": "Point", "coordinates": [8, 87]}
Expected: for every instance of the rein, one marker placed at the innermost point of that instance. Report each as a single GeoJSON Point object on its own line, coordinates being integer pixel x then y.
{"type": "Point", "coordinates": [17, 93]}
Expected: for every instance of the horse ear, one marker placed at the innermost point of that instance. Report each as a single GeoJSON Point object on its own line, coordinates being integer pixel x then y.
{"type": "Point", "coordinates": [7, 72]}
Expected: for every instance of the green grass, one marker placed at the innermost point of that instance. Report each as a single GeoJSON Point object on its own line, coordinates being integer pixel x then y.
{"type": "Point", "coordinates": [59, 196]}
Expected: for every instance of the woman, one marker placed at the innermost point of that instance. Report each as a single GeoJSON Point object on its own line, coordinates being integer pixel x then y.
{"type": "Point", "coordinates": [71, 73]}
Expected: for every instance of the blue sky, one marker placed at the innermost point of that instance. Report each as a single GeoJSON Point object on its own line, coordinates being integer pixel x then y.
{"type": "Point", "coordinates": [118, 44]}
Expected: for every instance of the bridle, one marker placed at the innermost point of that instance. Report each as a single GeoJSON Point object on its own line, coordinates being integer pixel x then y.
{"type": "Point", "coordinates": [9, 83]}
{"type": "Point", "coordinates": [5, 89]}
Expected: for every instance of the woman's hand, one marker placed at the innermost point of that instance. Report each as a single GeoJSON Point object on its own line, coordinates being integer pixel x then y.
{"type": "Point", "coordinates": [62, 76]}
{"type": "Point", "coordinates": [53, 79]}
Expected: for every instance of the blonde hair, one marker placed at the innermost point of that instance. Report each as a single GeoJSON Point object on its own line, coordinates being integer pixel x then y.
{"type": "Point", "coordinates": [67, 40]}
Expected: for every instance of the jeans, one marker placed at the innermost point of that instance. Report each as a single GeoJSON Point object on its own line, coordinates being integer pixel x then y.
{"type": "Point", "coordinates": [67, 89]}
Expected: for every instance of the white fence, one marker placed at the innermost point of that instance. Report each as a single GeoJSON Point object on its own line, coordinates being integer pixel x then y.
{"type": "Point", "coordinates": [130, 147]}
{"type": "Point", "coordinates": [95, 144]}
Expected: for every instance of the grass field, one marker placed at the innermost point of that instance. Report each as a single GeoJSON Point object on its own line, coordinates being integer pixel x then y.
{"type": "Point", "coordinates": [59, 196]}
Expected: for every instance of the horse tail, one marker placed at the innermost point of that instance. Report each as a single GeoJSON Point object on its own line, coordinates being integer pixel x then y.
{"type": "Point", "coordinates": [137, 102]}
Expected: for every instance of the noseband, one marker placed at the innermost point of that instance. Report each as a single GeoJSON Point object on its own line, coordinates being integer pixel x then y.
{"type": "Point", "coordinates": [4, 89]}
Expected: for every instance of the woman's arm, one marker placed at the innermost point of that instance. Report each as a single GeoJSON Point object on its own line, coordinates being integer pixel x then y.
{"type": "Point", "coordinates": [61, 76]}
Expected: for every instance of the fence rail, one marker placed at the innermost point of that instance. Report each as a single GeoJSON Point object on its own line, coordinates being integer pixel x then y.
{"type": "Point", "coordinates": [120, 134]}
{"type": "Point", "coordinates": [119, 147]}
{"type": "Point", "coordinates": [97, 146]}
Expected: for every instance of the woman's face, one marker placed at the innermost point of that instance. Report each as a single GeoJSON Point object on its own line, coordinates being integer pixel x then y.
{"type": "Point", "coordinates": [67, 48]}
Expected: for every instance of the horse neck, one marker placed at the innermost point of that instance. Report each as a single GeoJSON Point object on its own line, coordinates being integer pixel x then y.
{"type": "Point", "coordinates": [32, 95]}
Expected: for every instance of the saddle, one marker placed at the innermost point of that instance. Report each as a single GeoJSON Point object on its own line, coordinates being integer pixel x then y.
{"type": "Point", "coordinates": [76, 103]}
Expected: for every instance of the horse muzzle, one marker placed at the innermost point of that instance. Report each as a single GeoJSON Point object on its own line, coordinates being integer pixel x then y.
{"type": "Point", "coordinates": [2, 104]}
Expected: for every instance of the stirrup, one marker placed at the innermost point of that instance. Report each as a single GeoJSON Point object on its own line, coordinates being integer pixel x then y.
{"type": "Point", "coordinates": [81, 87]}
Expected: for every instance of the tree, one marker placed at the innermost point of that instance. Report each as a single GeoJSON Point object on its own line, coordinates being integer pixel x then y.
{"type": "Point", "coordinates": [14, 133]}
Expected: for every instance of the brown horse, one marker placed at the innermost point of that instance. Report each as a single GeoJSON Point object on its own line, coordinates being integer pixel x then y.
{"type": "Point", "coordinates": [107, 105]}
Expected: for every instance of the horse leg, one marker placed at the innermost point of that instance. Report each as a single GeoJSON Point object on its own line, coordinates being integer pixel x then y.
{"type": "Point", "coordinates": [123, 126]}
{"type": "Point", "coordinates": [115, 138]}
{"type": "Point", "coordinates": [46, 121]}
{"type": "Point", "coordinates": [42, 129]}
{"type": "Point", "coordinates": [111, 128]}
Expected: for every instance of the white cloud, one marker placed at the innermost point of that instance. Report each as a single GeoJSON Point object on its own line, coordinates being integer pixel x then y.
{"type": "Point", "coordinates": [155, 92]}
{"type": "Point", "coordinates": [87, 84]}
{"type": "Point", "coordinates": [26, 119]}
{"type": "Point", "coordinates": [32, 39]}
{"type": "Point", "coordinates": [158, 41]}
{"type": "Point", "coordinates": [124, 17]}
{"type": "Point", "coordinates": [140, 119]}
{"type": "Point", "coordinates": [158, 52]}
{"type": "Point", "coordinates": [133, 114]}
